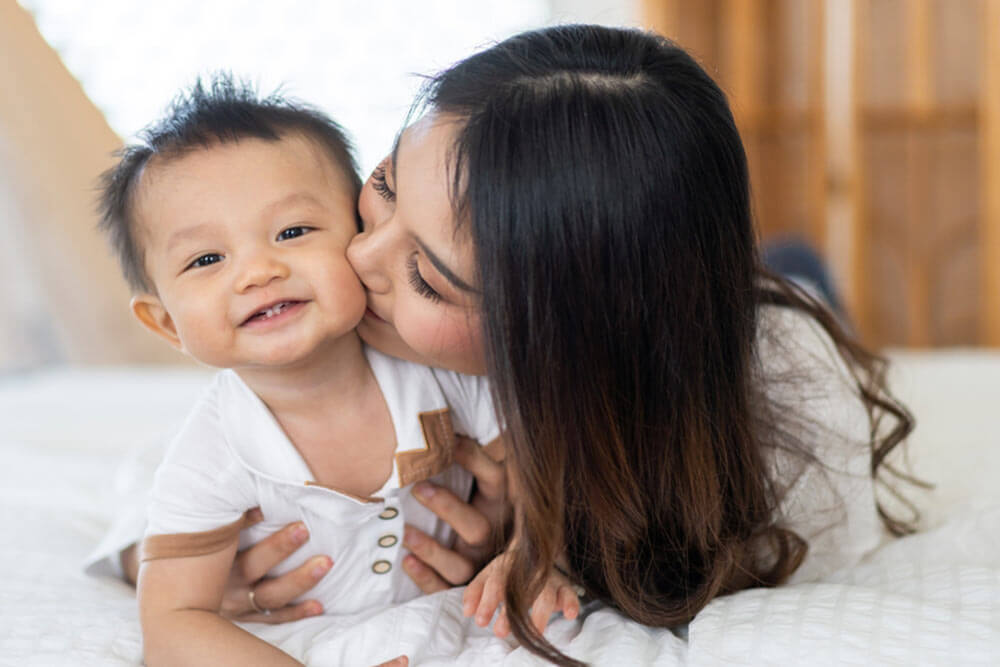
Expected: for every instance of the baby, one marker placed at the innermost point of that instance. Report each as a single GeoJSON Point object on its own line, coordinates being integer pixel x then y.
{"type": "Point", "coordinates": [231, 221]}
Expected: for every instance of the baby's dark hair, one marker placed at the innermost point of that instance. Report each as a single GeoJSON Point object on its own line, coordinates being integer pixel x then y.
{"type": "Point", "coordinates": [220, 110]}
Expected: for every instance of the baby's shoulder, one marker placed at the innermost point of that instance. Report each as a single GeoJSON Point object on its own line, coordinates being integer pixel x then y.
{"type": "Point", "coordinates": [202, 434]}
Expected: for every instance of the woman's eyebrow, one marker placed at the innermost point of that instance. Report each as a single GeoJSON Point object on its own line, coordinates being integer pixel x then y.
{"type": "Point", "coordinates": [443, 269]}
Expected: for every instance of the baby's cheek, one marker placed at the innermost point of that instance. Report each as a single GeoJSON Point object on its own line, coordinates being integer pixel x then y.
{"type": "Point", "coordinates": [348, 292]}
{"type": "Point", "coordinates": [205, 347]}
{"type": "Point", "coordinates": [205, 333]}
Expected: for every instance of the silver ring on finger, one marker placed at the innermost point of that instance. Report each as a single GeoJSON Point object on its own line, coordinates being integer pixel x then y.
{"type": "Point", "coordinates": [252, 595]}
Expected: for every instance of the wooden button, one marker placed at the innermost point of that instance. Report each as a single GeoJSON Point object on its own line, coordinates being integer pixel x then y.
{"type": "Point", "coordinates": [381, 566]}
{"type": "Point", "coordinates": [388, 513]}
{"type": "Point", "coordinates": [387, 541]}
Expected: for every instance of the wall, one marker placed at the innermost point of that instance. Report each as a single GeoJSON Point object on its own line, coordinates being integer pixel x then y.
{"type": "Point", "coordinates": [69, 301]}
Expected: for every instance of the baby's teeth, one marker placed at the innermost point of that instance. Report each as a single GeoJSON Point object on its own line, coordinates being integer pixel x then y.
{"type": "Point", "coordinates": [274, 310]}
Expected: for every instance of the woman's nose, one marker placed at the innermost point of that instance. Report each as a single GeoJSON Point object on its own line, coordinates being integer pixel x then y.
{"type": "Point", "coordinates": [367, 253]}
{"type": "Point", "coordinates": [260, 269]}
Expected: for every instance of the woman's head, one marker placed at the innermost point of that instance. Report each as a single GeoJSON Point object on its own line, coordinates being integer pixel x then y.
{"type": "Point", "coordinates": [581, 151]}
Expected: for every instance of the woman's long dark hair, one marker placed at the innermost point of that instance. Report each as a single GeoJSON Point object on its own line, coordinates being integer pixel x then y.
{"type": "Point", "coordinates": [602, 179]}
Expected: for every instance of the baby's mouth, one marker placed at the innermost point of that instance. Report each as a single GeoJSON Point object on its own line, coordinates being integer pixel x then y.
{"type": "Point", "coordinates": [271, 311]}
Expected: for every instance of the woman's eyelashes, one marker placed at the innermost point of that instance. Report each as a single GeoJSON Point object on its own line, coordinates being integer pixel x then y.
{"type": "Point", "coordinates": [380, 185]}
{"type": "Point", "coordinates": [417, 281]}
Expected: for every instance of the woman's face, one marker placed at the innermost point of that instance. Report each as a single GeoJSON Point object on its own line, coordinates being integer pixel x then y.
{"type": "Point", "coordinates": [418, 272]}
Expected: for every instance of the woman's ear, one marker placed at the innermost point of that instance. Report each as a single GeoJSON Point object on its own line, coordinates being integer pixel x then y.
{"type": "Point", "coordinates": [150, 311]}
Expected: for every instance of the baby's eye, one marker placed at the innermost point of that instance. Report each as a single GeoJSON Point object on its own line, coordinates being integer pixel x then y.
{"type": "Point", "coordinates": [205, 260]}
{"type": "Point", "coordinates": [294, 232]}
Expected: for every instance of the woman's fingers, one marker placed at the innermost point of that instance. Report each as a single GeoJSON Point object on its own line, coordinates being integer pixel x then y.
{"type": "Point", "coordinates": [450, 566]}
{"type": "Point", "coordinates": [469, 524]}
{"type": "Point", "coordinates": [284, 614]}
{"type": "Point", "coordinates": [253, 563]}
{"type": "Point", "coordinates": [479, 460]}
{"type": "Point", "coordinates": [278, 592]}
{"type": "Point", "coordinates": [274, 595]}
{"type": "Point", "coordinates": [435, 567]}
{"type": "Point", "coordinates": [426, 579]}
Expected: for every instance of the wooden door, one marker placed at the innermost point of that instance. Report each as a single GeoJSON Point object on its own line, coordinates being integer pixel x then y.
{"type": "Point", "coordinates": [872, 130]}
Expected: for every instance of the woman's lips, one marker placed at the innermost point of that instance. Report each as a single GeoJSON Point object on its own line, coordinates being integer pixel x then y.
{"type": "Point", "coordinates": [371, 313]}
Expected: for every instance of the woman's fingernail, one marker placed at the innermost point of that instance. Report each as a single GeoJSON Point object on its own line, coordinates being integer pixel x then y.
{"type": "Point", "coordinates": [322, 567]}
{"type": "Point", "coordinates": [255, 515]}
{"type": "Point", "coordinates": [314, 608]}
{"type": "Point", "coordinates": [424, 490]}
{"type": "Point", "coordinates": [300, 533]}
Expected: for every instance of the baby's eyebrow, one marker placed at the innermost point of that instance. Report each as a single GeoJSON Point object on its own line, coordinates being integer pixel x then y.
{"type": "Point", "coordinates": [185, 233]}
{"type": "Point", "coordinates": [294, 198]}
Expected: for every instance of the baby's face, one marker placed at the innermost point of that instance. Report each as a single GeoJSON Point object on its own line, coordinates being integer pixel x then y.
{"type": "Point", "coordinates": [246, 245]}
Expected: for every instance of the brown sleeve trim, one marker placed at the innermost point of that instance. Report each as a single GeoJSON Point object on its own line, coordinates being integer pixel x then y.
{"type": "Point", "coordinates": [185, 545]}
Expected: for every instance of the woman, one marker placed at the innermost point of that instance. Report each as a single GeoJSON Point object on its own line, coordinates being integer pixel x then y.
{"type": "Point", "coordinates": [572, 217]}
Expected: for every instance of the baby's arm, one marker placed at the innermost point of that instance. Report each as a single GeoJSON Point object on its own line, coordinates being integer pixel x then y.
{"type": "Point", "coordinates": [179, 600]}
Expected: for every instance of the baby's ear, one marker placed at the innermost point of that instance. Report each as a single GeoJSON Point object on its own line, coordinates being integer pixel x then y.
{"type": "Point", "coordinates": [150, 311]}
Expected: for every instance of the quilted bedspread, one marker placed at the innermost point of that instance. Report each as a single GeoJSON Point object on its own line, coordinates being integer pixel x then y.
{"type": "Point", "coordinates": [931, 598]}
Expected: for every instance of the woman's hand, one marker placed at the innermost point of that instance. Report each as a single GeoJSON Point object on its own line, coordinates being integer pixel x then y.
{"type": "Point", "coordinates": [273, 596]}
{"type": "Point", "coordinates": [478, 525]}
{"type": "Point", "coordinates": [486, 592]}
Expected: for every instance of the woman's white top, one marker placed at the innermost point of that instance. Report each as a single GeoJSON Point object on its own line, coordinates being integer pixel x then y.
{"type": "Point", "coordinates": [830, 505]}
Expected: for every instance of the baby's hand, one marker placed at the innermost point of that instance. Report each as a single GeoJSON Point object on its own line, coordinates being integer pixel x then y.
{"type": "Point", "coordinates": [485, 592]}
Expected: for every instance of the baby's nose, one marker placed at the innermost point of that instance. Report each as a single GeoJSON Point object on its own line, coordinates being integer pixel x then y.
{"type": "Point", "coordinates": [261, 270]}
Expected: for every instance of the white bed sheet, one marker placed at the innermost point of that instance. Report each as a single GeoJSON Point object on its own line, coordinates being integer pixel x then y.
{"type": "Point", "coordinates": [933, 598]}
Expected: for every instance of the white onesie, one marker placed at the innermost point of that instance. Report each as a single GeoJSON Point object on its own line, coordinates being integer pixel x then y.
{"type": "Point", "coordinates": [231, 455]}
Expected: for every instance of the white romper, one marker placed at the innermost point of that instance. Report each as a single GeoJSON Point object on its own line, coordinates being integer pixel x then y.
{"type": "Point", "coordinates": [232, 455]}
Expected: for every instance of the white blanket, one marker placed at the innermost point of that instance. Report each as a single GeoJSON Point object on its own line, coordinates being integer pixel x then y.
{"type": "Point", "coordinates": [933, 598]}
